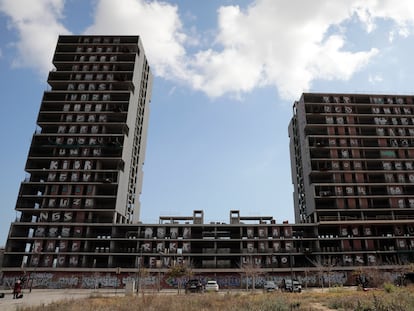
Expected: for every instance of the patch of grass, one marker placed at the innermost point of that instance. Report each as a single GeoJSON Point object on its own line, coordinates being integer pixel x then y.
{"type": "Point", "coordinates": [389, 287]}
{"type": "Point", "coordinates": [380, 300]}
{"type": "Point", "coordinates": [399, 299]}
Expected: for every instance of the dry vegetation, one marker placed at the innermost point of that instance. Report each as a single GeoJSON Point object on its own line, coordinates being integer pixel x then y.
{"type": "Point", "coordinates": [390, 298]}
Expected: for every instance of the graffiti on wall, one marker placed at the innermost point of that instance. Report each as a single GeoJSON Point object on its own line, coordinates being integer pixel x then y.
{"type": "Point", "coordinates": [96, 280]}
{"type": "Point", "coordinates": [112, 280]}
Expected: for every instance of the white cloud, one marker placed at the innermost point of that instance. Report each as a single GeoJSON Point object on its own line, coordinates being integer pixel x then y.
{"type": "Point", "coordinates": [401, 13]}
{"type": "Point", "coordinates": [268, 43]}
{"type": "Point", "coordinates": [373, 79]}
{"type": "Point", "coordinates": [37, 23]}
{"type": "Point", "coordinates": [274, 43]}
{"type": "Point", "coordinates": [156, 22]}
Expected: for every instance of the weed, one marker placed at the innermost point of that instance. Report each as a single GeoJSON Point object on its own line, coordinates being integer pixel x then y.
{"type": "Point", "coordinates": [389, 287]}
{"type": "Point", "coordinates": [398, 299]}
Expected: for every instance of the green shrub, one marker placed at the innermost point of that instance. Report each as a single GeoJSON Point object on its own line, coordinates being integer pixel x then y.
{"type": "Point", "coordinates": [389, 287]}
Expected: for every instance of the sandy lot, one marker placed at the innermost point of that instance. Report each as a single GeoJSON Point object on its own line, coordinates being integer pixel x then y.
{"type": "Point", "coordinates": [46, 296]}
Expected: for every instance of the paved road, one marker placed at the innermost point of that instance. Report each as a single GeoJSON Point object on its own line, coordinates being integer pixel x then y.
{"type": "Point", "coordinates": [46, 296]}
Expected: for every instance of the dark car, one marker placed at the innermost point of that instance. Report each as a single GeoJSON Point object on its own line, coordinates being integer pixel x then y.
{"type": "Point", "coordinates": [194, 286]}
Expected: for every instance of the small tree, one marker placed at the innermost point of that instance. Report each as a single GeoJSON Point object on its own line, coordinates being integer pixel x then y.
{"type": "Point", "coordinates": [317, 262]}
{"type": "Point", "coordinates": [402, 271]}
{"type": "Point", "coordinates": [142, 275]}
{"type": "Point", "coordinates": [370, 277]}
{"type": "Point", "coordinates": [250, 271]}
{"type": "Point", "coordinates": [178, 272]}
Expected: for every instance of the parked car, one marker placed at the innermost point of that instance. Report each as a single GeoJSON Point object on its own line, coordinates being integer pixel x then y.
{"type": "Point", "coordinates": [270, 286]}
{"type": "Point", "coordinates": [194, 286]}
{"type": "Point", "coordinates": [292, 285]}
{"type": "Point", "coordinates": [212, 286]}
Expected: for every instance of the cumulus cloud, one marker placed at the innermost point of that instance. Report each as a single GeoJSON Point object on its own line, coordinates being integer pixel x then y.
{"type": "Point", "coordinates": [401, 13]}
{"type": "Point", "coordinates": [269, 43]}
{"type": "Point", "coordinates": [38, 25]}
{"type": "Point", "coordinates": [274, 43]}
{"type": "Point", "coordinates": [156, 22]}
{"type": "Point", "coordinates": [40, 22]}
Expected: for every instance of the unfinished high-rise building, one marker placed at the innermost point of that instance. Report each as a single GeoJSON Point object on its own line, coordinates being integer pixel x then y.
{"type": "Point", "coordinates": [352, 166]}
{"type": "Point", "coordinates": [84, 166]}
{"type": "Point", "coordinates": [352, 159]}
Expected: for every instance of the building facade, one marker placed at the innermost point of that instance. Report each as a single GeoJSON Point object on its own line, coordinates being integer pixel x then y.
{"type": "Point", "coordinates": [352, 168]}
{"type": "Point", "coordinates": [352, 171]}
{"type": "Point", "coordinates": [84, 166]}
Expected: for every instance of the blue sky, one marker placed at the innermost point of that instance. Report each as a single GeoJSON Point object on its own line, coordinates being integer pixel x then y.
{"type": "Point", "coordinates": [226, 76]}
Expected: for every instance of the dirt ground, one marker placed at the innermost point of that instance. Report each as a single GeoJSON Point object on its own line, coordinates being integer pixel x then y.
{"type": "Point", "coordinates": [46, 296]}
{"type": "Point", "coordinates": [39, 297]}
{"type": "Point", "coordinates": [317, 306]}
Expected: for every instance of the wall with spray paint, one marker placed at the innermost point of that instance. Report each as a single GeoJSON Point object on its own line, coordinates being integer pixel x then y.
{"type": "Point", "coordinates": [164, 281]}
